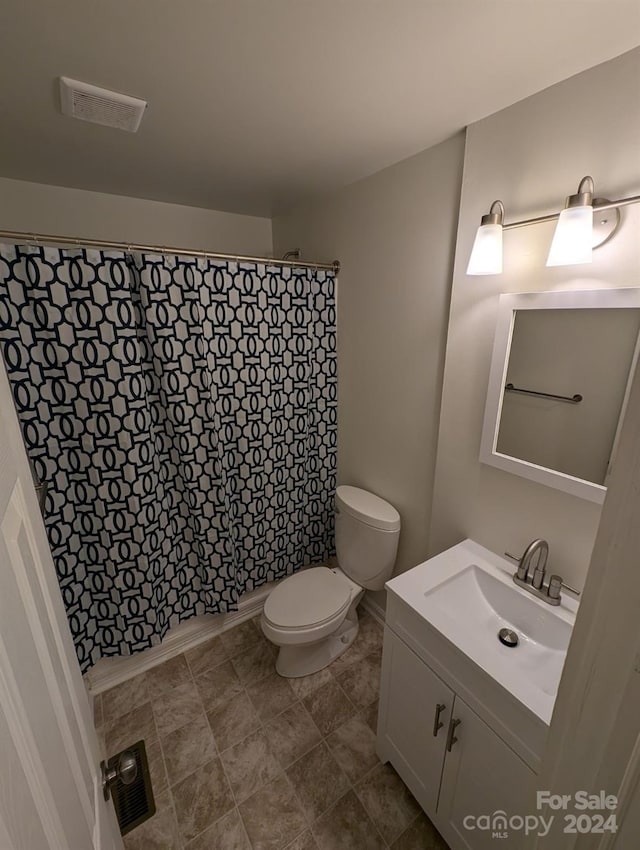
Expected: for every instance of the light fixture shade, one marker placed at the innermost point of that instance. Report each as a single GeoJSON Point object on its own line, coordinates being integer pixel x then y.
{"type": "Point", "coordinates": [486, 255]}
{"type": "Point", "coordinates": [573, 239]}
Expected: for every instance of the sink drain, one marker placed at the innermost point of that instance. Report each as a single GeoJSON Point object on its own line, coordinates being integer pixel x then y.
{"type": "Point", "coordinates": [508, 637]}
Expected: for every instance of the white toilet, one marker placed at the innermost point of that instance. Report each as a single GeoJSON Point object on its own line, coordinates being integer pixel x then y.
{"type": "Point", "coordinates": [312, 615]}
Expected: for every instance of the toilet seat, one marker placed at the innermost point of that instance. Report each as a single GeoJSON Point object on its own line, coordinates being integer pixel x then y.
{"type": "Point", "coordinates": [307, 600]}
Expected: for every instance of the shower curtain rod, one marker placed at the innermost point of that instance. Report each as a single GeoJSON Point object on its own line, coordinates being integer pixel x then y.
{"type": "Point", "coordinates": [49, 239]}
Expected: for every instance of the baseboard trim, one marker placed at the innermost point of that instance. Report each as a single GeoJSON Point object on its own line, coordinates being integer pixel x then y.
{"type": "Point", "coordinates": [374, 608]}
{"type": "Point", "coordinates": [109, 672]}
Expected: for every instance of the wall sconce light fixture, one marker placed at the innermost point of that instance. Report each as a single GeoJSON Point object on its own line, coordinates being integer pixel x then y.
{"type": "Point", "coordinates": [585, 223]}
{"type": "Point", "coordinates": [486, 256]}
{"type": "Point", "coordinates": [573, 239]}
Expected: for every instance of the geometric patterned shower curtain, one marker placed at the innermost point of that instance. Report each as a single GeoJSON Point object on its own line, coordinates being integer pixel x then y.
{"type": "Point", "coordinates": [183, 414]}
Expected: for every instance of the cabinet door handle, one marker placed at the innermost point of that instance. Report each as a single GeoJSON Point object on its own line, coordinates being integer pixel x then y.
{"type": "Point", "coordinates": [437, 723]}
{"type": "Point", "coordinates": [451, 738]}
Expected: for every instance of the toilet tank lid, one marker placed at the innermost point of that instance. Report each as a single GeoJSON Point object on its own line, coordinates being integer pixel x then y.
{"type": "Point", "coordinates": [368, 508]}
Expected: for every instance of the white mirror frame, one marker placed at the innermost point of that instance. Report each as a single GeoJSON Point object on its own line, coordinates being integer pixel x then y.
{"type": "Point", "coordinates": [564, 300]}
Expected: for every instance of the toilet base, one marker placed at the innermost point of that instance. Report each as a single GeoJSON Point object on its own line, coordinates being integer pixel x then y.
{"type": "Point", "coordinates": [296, 661]}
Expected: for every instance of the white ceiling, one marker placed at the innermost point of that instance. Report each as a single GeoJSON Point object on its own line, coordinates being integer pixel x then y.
{"type": "Point", "coordinates": [255, 105]}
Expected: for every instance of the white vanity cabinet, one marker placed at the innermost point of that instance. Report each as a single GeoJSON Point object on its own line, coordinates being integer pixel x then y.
{"type": "Point", "coordinates": [465, 768]}
{"type": "Point", "coordinates": [481, 775]}
{"type": "Point", "coordinates": [443, 648]}
{"type": "Point", "coordinates": [416, 723]}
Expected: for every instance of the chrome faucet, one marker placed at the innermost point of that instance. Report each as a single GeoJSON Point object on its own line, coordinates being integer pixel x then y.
{"type": "Point", "coordinates": [534, 582]}
{"type": "Point", "coordinates": [541, 548]}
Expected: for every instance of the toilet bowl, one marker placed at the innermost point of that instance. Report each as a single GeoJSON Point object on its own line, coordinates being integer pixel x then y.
{"type": "Point", "coordinates": [312, 614]}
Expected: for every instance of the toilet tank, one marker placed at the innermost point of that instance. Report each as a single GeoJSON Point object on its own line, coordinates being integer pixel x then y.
{"type": "Point", "coordinates": [367, 533]}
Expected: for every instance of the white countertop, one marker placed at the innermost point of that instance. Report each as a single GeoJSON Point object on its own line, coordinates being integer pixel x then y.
{"type": "Point", "coordinates": [467, 593]}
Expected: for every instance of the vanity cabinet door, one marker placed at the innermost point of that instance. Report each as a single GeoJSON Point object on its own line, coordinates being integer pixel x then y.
{"type": "Point", "coordinates": [481, 776]}
{"type": "Point", "coordinates": [411, 696]}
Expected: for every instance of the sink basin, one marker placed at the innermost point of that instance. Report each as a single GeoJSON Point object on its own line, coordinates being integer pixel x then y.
{"type": "Point", "coordinates": [486, 605]}
{"type": "Point", "coordinates": [468, 595]}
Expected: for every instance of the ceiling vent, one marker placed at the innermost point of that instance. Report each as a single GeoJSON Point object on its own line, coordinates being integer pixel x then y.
{"type": "Point", "coordinates": [101, 106]}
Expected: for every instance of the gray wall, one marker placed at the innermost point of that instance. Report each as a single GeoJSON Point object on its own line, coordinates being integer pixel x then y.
{"type": "Point", "coordinates": [394, 235]}
{"type": "Point", "coordinates": [531, 155]}
{"type": "Point", "coordinates": [75, 212]}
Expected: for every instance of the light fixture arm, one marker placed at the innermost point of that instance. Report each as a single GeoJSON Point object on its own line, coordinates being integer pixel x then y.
{"type": "Point", "coordinates": [495, 215]}
{"type": "Point", "coordinates": [586, 185]}
{"type": "Point", "coordinates": [584, 195]}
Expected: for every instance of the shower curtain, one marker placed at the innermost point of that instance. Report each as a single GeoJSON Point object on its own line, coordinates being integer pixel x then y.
{"type": "Point", "coordinates": [183, 415]}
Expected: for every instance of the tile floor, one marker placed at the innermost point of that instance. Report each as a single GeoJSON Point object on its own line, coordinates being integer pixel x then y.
{"type": "Point", "coordinates": [242, 759]}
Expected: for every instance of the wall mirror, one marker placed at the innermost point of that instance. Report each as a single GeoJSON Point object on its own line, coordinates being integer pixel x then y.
{"type": "Point", "coordinates": [560, 376]}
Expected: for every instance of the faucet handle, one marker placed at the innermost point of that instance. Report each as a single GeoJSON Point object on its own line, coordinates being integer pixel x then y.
{"type": "Point", "coordinates": [522, 566]}
{"type": "Point", "coordinates": [555, 586]}
{"type": "Point", "coordinates": [566, 586]}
